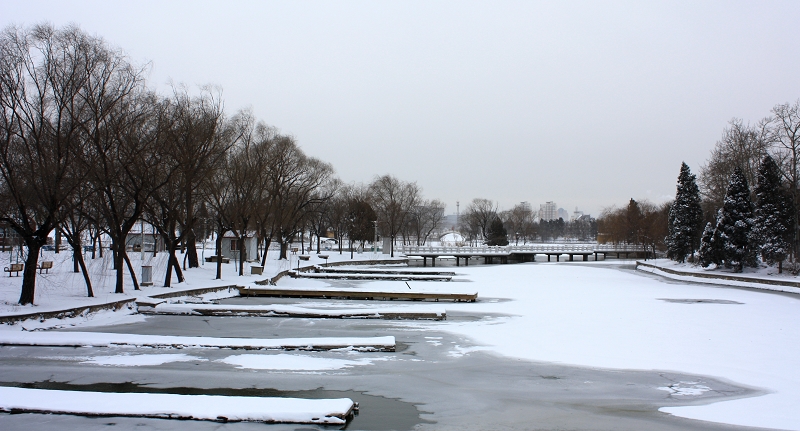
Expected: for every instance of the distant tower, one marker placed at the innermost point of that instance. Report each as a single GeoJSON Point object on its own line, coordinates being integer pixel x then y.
{"type": "Point", "coordinates": [457, 212]}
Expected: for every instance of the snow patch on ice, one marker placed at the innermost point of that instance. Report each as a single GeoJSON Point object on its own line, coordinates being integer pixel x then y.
{"type": "Point", "coordinates": [685, 389]}
{"type": "Point", "coordinates": [141, 360]}
{"type": "Point", "coordinates": [286, 362]}
{"type": "Point", "coordinates": [459, 351]}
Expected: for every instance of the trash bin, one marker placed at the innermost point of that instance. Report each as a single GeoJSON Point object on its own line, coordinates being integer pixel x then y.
{"type": "Point", "coordinates": [147, 275]}
{"type": "Point", "coordinates": [256, 270]}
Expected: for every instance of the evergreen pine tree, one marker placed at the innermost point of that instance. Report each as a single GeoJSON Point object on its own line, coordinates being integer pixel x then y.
{"type": "Point", "coordinates": [497, 234]}
{"type": "Point", "coordinates": [685, 217]}
{"type": "Point", "coordinates": [735, 224]}
{"type": "Point", "coordinates": [710, 247]}
{"type": "Point", "coordinates": [773, 215]}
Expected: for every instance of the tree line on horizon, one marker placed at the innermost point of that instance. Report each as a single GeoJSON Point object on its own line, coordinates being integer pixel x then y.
{"type": "Point", "coordinates": [484, 223]}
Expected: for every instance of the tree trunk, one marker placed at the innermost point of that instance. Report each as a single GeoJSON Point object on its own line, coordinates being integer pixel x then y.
{"type": "Point", "coordinates": [172, 263]}
{"type": "Point", "coordinates": [29, 273]}
{"type": "Point", "coordinates": [242, 254]}
{"type": "Point", "coordinates": [267, 242]}
{"type": "Point", "coordinates": [120, 283]}
{"type": "Point", "coordinates": [191, 249]}
{"type": "Point", "coordinates": [130, 268]}
{"type": "Point", "coordinates": [284, 249]}
{"type": "Point", "coordinates": [218, 252]}
{"type": "Point", "coordinates": [78, 258]}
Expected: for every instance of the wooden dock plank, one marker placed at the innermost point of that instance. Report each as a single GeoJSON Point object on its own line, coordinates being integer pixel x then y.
{"type": "Point", "coordinates": [278, 311]}
{"type": "Point", "coordinates": [358, 294]}
{"type": "Point", "coordinates": [383, 271]}
{"type": "Point", "coordinates": [387, 277]}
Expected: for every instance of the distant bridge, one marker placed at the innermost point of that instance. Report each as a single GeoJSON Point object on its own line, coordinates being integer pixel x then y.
{"type": "Point", "coordinates": [523, 253]}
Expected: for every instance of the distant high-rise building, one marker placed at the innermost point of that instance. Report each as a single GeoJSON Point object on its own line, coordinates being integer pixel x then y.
{"type": "Point", "coordinates": [563, 214]}
{"type": "Point", "coordinates": [548, 211]}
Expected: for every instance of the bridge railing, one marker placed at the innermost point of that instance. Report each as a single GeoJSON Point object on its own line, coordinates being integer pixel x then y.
{"type": "Point", "coordinates": [621, 247]}
{"type": "Point", "coordinates": [499, 250]}
{"type": "Point", "coordinates": [553, 248]}
{"type": "Point", "coordinates": [539, 248]}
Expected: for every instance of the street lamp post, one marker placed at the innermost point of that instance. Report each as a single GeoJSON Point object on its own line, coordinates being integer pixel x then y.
{"type": "Point", "coordinates": [375, 239]}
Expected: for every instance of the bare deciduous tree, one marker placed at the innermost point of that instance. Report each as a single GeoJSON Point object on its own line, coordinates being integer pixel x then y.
{"type": "Point", "coordinates": [56, 87]}
{"type": "Point", "coordinates": [392, 199]}
{"type": "Point", "coordinates": [785, 137]}
{"type": "Point", "coordinates": [424, 219]}
{"type": "Point", "coordinates": [478, 216]}
{"type": "Point", "coordinates": [741, 145]}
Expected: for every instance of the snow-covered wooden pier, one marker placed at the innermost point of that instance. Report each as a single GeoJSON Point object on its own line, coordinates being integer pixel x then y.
{"type": "Point", "coordinates": [357, 294]}
{"type": "Point", "coordinates": [362, 276]}
{"type": "Point", "coordinates": [277, 310]}
{"type": "Point", "coordinates": [216, 408]}
{"type": "Point", "coordinates": [398, 271]}
{"type": "Point", "coordinates": [104, 339]}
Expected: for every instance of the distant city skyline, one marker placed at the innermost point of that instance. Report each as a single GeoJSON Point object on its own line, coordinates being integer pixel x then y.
{"type": "Point", "coordinates": [587, 104]}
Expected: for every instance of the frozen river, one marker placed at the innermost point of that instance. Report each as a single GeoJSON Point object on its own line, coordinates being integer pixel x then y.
{"type": "Point", "coordinates": [500, 363]}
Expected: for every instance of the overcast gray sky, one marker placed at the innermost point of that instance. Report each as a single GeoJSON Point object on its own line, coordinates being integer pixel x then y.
{"type": "Point", "coordinates": [583, 103]}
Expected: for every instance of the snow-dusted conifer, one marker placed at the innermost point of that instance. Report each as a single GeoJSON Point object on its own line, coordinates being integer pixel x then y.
{"type": "Point", "coordinates": [710, 247]}
{"type": "Point", "coordinates": [685, 217]}
{"type": "Point", "coordinates": [735, 224]}
{"type": "Point", "coordinates": [773, 214]}
{"type": "Point", "coordinates": [498, 235]}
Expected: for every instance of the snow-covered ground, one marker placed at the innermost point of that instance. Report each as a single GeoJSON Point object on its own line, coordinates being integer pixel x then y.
{"type": "Point", "coordinates": [766, 277]}
{"type": "Point", "coordinates": [595, 314]}
{"type": "Point", "coordinates": [62, 289]}
{"type": "Point", "coordinates": [762, 272]}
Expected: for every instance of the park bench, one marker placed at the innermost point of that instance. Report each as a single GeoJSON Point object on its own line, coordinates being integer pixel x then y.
{"type": "Point", "coordinates": [46, 266]}
{"type": "Point", "coordinates": [214, 259]}
{"type": "Point", "coordinates": [14, 267]}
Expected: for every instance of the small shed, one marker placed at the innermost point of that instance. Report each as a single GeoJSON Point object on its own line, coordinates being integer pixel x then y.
{"type": "Point", "coordinates": [231, 244]}
{"type": "Point", "coordinates": [152, 241]}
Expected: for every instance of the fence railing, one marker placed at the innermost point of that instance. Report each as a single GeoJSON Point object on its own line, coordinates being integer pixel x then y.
{"type": "Point", "coordinates": [510, 249]}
